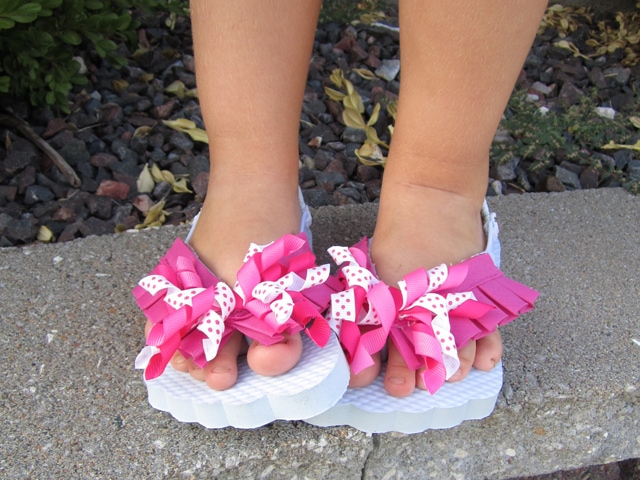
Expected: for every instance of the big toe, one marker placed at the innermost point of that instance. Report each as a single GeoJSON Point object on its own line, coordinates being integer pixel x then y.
{"type": "Point", "coordinates": [488, 351]}
{"type": "Point", "coordinates": [276, 359]}
{"type": "Point", "coordinates": [222, 372]}
{"type": "Point", "coordinates": [399, 380]}
{"type": "Point", "coordinates": [466, 354]}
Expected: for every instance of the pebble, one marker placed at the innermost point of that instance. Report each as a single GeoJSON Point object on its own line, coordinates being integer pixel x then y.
{"type": "Point", "coordinates": [388, 69]}
{"type": "Point", "coordinates": [113, 189]}
{"type": "Point", "coordinates": [354, 135]}
{"type": "Point", "coordinates": [568, 178]}
{"type": "Point", "coordinates": [37, 193]}
{"type": "Point", "coordinates": [100, 140]}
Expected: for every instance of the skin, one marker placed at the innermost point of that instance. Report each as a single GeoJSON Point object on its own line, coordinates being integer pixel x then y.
{"type": "Point", "coordinates": [460, 61]}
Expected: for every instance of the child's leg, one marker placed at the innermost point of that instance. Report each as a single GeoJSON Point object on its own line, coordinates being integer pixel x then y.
{"type": "Point", "coordinates": [460, 61]}
{"type": "Point", "coordinates": [252, 58]}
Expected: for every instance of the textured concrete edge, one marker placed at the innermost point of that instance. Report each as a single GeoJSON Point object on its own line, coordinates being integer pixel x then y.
{"type": "Point", "coordinates": [602, 418]}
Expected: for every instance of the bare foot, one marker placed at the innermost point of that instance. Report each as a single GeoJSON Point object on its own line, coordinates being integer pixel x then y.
{"type": "Point", "coordinates": [424, 227]}
{"type": "Point", "coordinates": [228, 224]}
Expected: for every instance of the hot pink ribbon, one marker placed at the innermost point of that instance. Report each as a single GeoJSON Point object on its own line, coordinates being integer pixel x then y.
{"type": "Point", "coordinates": [415, 315]}
{"type": "Point", "coordinates": [364, 311]}
{"type": "Point", "coordinates": [279, 290]}
{"type": "Point", "coordinates": [178, 296]}
{"type": "Point", "coordinates": [281, 286]}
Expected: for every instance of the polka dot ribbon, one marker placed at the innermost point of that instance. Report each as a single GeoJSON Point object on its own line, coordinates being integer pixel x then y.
{"type": "Point", "coordinates": [174, 298]}
{"type": "Point", "coordinates": [364, 311]}
{"type": "Point", "coordinates": [422, 332]}
{"type": "Point", "coordinates": [281, 285]}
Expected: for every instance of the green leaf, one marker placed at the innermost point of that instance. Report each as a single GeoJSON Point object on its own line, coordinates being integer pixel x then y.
{"type": "Point", "coordinates": [93, 4]}
{"type": "Point", "coordinates": [27, 13]}
{"type": "Point", "coordinates": [6, 23]}
{"type": "Point", "coordinates": [71, 37]}
{"type": "Point", "coordinates": [5, 82]}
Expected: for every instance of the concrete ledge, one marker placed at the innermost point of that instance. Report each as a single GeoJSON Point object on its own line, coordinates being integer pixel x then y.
{"type": "Point", "coordinates": [72, 406]}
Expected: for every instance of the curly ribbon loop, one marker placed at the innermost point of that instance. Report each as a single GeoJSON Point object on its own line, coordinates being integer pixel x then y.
{"type": "Point", "coordinates": [363, 313]}
{"type": "Point", "coordinates": [281, 286]}
{"type": "Point", "coordinates": [175, 300]}
{"type": "Point", "coordinates": [279, 290]}
{"type": "Point", "coordinates": [422, 334]}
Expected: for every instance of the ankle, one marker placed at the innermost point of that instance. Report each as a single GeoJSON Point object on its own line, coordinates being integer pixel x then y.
{"type": "Point", "coordinates": [424, 227]}
{"type": "Point", "coordinates": [234, 215]}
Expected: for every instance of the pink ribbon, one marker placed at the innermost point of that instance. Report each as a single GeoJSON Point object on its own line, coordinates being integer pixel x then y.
{"type": "Point", "coordinates": [178, 296]}
{"type": "Point", "coordinates": [279, 290]}
{"type": "Point", "coordinates": [415, 315]}
{"type": "Point", "coordinates": [363, 313]}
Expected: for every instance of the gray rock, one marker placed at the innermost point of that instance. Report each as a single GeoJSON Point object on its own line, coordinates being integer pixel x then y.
{"type": "Point", "coordinates": [18, 160]}
{"type": "Point", "coordinates": [161, 190]}
{"type": "Point", "coordinates": [21, 231]}
{"type": "Point", "coordinates": [330, 178]}
{"type": "Point", "coordinates": [181, 141]}
{"type": "Point", "coordinates": [633, 169]}
{"type": "Point", "coordinates": [316, 197]}
{"type": "Point", "coordinates": [198, 165]}
{"type": "Point", "coordinates": [507, 170]}
{"type": "Point", "coordinates": [37, 193]}
{"type": "Point", "coordinates": [606, 161]}
{"type": "Point", "coordinates": [388, 70]}
{"type": "Point", "coordinates": [354, 135]}
{"type": "Point", "coordinates": [622, 158]}
{"type": "Point", "coordinates": [619, 75]}
{"type": "Point", "coordinates": [569, 95]}
{"type": "Point", "coordinates": [5, 221]}
{"type": "Point", "coordinates": [568, 178]}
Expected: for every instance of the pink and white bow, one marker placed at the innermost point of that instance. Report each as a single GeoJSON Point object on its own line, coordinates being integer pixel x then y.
{"type": "Point", "coordinates": [280, 285]}
{"type": "Point", "coordinates": [180, 297]}
{"type": "Point", "coordinates": [363, 312]}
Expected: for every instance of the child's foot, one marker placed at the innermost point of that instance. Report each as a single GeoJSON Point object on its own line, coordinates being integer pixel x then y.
{"type": "Point", "coordinates": [236, 213]}
{"type": "Point", "coordinates": [424, 227]}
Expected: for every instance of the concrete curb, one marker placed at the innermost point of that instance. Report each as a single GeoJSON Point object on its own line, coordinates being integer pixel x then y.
{"type": "Point", "coordinates": [73, 407]}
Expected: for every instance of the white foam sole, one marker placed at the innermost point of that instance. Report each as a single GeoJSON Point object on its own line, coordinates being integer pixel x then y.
{"type": "Point", "coordinates": [317, 383]}
{"type": "Point", "coordinates": [372, 410]}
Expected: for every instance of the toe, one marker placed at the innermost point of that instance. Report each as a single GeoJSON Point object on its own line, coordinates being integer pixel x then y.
{"type": "Point", "coordinates": [179, 363]}
{"type": "Point", "coordinates": [466, 355]}
{"type": "Point", "coordinates": [222, 372]}
{"type": "Point", "coordinates": [366, 376]}
{"type": "Point", "coordinates": [488, 351]}
{"type": "Point", "coordinates": [275, 359]}
{"type": "Point", "coordinates": [399, 380]}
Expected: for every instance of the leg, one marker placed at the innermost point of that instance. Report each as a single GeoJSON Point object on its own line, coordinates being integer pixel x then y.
{"type": "Point", "coordinates": [460, 61]}
{"type": "Point", "coordinates": [251, 59]}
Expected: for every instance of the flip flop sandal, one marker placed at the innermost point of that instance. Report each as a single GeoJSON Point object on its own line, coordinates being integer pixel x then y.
{"type": "Point", "coordinates": [428, 316]}
{"type": "Point", "coordinates": [279, 290]}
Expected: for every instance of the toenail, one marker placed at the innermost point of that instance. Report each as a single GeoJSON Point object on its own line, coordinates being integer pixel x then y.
{"type": "Point", "coordinates": [221, 370]}
{"type": "Point", "coordinates": [397, 380]}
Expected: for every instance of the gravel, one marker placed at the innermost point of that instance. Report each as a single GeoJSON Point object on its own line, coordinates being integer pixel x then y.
{"type": "Point", "coordinates": [115, 130]}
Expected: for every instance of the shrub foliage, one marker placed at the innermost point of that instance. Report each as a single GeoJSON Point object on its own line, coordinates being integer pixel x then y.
{"type": "Point", "coordinates": [38, 39]}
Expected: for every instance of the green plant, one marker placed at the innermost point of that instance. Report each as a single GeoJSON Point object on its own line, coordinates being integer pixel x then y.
{"type": "Point", "coordinates": [37, 40]}
{"type": "Point", "coordinates": [346, 11]}
{"type": "Point", "coordinates": [541, 136]}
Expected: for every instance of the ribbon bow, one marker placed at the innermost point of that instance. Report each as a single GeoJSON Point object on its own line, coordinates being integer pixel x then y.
{"type": "Point", "coordinates": [180, 297]}
{"type": "Point", "coordinates": [364, 311]}
{"type": "Point", "coordinates": [284, 291]}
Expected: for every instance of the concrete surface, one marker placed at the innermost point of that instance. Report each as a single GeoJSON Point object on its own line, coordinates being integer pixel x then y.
{"type": "Point", "coordinates": [72, 406]}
